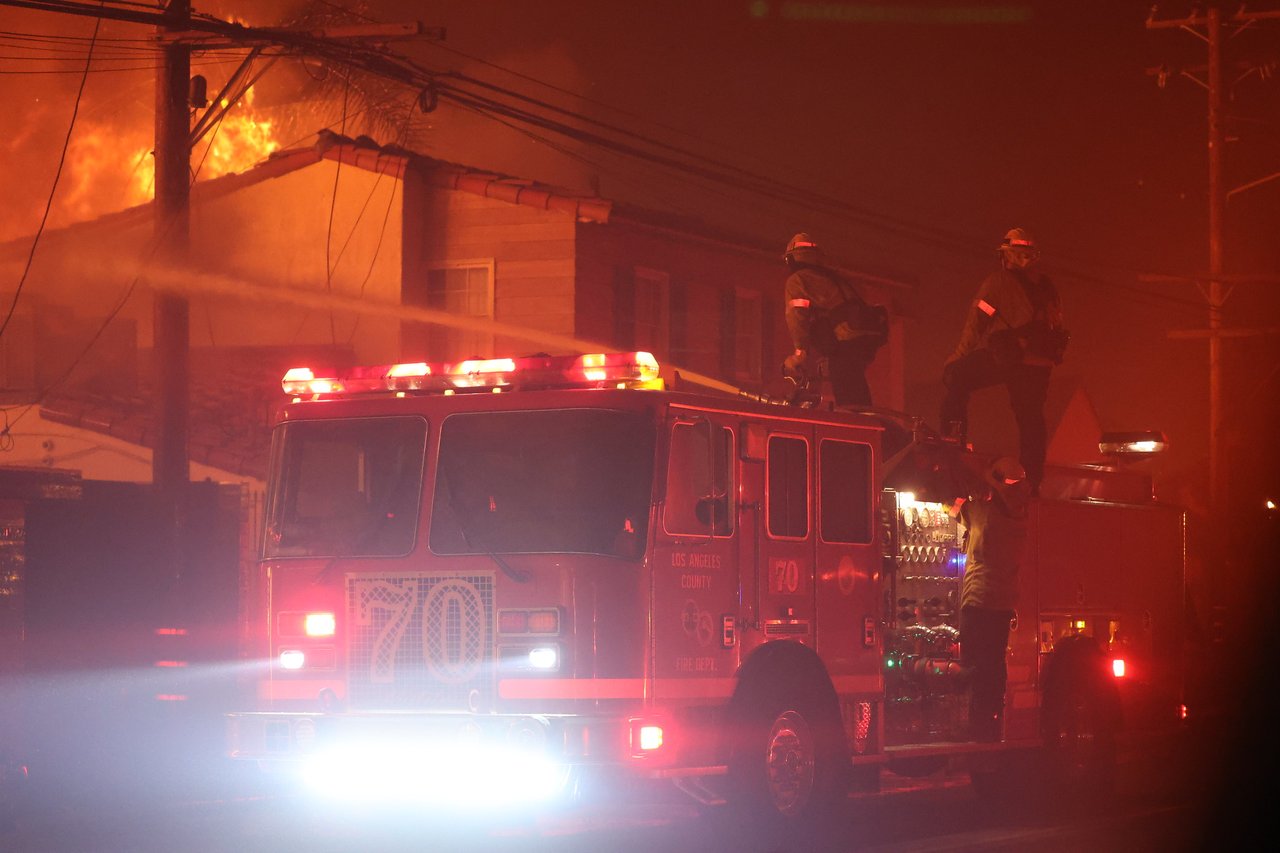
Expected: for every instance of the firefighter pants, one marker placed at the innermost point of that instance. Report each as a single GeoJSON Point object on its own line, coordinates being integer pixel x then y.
{"type": "Point", "coordinates": [847, 366]}
{"type": "Point", "coordinates": [984, 638]}
{"type": "Point", "coordinates": [1028, 387]}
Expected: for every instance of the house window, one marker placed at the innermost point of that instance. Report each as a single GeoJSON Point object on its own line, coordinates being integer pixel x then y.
{"type": "Point", "coordinates": [747, 327]}
{"type": "Point", "coordinates": [463, 289]}
{"type": "Point", "coordinates": [652, 311]}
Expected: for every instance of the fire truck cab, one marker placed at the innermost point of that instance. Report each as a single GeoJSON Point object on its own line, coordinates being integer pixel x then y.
{"type": "Point", "coordinates": [502, 580]}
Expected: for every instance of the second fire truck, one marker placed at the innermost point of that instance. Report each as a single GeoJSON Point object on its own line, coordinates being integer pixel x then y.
{"type": "Point", "coordinates": [513, 579]}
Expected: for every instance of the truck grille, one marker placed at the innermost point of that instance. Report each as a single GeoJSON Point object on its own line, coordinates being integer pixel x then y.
{"type": "Point", "coordinates": [420, 640]}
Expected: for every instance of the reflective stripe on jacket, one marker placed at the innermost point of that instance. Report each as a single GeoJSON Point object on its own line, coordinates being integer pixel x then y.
{"type": "Point", "coordinates": [1003, 302]}
{"type": "Point", "coordinates": [809, 290]}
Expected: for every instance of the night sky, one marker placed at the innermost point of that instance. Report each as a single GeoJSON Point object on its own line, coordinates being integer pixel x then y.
{"type": "Point", "coordinates": [936, 126]}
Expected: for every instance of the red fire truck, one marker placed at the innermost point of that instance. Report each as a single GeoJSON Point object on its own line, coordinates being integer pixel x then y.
{"type": "Point", "coordinates": [508, 579]}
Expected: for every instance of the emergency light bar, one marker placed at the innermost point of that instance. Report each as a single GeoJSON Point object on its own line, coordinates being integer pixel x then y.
{"type": "Point", "coordinates": [593, 370]}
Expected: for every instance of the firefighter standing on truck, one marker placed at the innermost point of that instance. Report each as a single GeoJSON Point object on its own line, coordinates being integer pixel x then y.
{"type": "Point", "coordinates": [995, 521]}
{"type": "Point", "coordinates": [1013, 335]}
{"type": "Point", "coordinates": [828, 318]}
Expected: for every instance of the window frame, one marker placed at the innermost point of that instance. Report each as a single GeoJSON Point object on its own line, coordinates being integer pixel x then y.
{"type": "Point", "coordinates": [642, 279]}
{"type": "Point", "coordinates": [751, 334]}
{"type": "Point", "coordinates": [485, 340]}
{"type": "Point", "coordinates": [870, 516]}
{"type": "Point", "coordinates": [768, 486]}
{"type": "Point", "coordinates": [731, 486]}
{"type": "Point", "coordinates": [276, 500]}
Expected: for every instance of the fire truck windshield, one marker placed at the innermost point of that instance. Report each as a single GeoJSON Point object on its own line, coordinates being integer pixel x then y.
{"type": "Point", "coordinates": [345, 487]}
{"type": "Point", "coordinates": [570, 481]}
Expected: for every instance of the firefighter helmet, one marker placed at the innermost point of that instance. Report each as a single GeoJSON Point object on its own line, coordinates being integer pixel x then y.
{"type": "Point", "coordinates": [803, 249]}
{"type": "Point", "coordinates": [1005, 474]}
{"type": "Point", "coordinates": [1019, 248]}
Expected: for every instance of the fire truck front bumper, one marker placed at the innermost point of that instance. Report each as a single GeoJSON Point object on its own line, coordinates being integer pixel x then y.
{"type": "Point", "coordinates": [426, 758]}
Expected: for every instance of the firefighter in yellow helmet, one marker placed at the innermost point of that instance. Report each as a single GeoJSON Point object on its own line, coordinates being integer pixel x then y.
{"type": "Point", "coordinates": [995, 522]}
{"type": "Point", "coordinates": [1013, 336]}
{"type": "Point", "coordinates": [828, 318]}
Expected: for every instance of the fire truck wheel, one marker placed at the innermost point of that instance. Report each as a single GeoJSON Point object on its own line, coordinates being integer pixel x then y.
{"type": "Point", "coordinates": [1080, 725]}
{"type": "Point", "coordinates": [787, 773]}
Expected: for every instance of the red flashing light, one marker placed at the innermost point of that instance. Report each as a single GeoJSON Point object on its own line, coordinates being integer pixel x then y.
{"type": "Point", "coordinates": [300, 623]}
{"type": "Point", "coordinates": [320, 625]}
{"type": "Point", "coordinates": [1117, 667]}
{"type": "Point", "coordinates": [302, 381]}
{"type": "Point", "coordinates": [486, 367]}
{"type": "Point", "coordinates": [419, 368]}
{"type": "Point", "coordinates": [650, 739]}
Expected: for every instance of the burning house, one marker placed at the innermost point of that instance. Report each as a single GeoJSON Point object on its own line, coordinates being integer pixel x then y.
{"type": "Point", "coordinates": [347, 251]}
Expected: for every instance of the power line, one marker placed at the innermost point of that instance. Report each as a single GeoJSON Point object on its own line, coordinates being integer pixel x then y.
{"type": "Point", "coordinates": [62, 159]}
{"type": "Point", "coordinates": [461, 90]}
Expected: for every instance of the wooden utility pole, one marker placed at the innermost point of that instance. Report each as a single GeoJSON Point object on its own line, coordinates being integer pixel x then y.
{"type": "Point", "coordinates": [1213, 27]}
{"type": "Point", "coordinates": [171, 312]}
{"type": "Point", "coordinates": [1212, 22]}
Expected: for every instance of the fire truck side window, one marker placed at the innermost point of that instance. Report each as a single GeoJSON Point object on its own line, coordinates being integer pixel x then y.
{"type": "Point", "coordinates": [347, 487]}
{"type": "Point", "coordinates": [845, 502]}
{"type": "Point", "coordinates": [700, 480]}
{"type": "Point", "coordinates": [788, 489]}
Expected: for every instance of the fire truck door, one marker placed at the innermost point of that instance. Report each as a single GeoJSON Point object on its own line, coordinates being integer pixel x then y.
{"type": "Point", "coordinates": [784, 572]}
{"type": "Point", "coordinates": [695, 577]}
{"type": "Point", "coordinates": [847, 557]}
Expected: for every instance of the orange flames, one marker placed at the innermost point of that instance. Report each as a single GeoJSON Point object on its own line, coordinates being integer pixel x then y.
{"type": "Point", "coordinates": [237, 142]}
{"type": "Point", "coordinates": [110, 169]}
{"type": "Point", "coordinates": [102, 171]}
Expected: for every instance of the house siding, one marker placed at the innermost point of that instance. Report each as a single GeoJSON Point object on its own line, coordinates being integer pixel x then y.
{"type": "Point", "coordinates": [701, 277]}
{"type": "Point", "coordinates": [248, 251]}
{"type": "Point", "coordinates": [531, 252]}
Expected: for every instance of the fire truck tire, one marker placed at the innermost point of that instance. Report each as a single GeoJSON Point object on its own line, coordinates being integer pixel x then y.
{"type": "Point", "coordinates": [1080, 724]}
{"type": "Point", "coordinates": [789, 769]}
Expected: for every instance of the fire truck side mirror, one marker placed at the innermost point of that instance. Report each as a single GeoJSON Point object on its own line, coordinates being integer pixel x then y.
{"type": "Point", "coordinates": [713, 511]}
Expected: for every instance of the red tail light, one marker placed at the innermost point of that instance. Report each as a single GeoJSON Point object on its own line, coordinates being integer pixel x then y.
{"type": "Point", "coordinates": [650, 739]}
